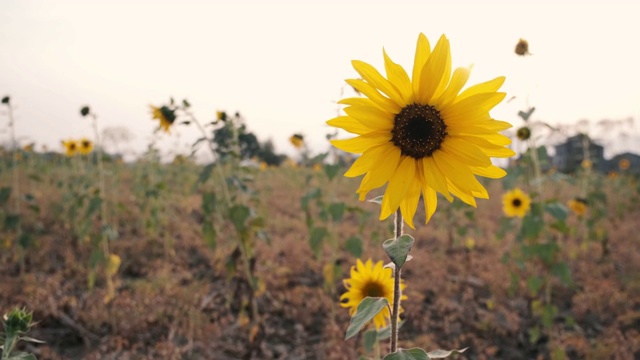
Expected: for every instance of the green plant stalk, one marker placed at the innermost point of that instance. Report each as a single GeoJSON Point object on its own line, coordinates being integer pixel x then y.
{"type": "Point", "coordinates": [103, 208]}
{"type": "Point", "coordinates": [396, 289]}
{"type": "Point", "coordinates": [16, 181]}
{"type": "Point", "coordinates": [9, 343]}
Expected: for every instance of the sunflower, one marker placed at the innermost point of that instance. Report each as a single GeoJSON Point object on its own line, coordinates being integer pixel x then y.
{"type": "Point", "coordinates": [166, 116]}
{"type": "Point", "coordinates": [516, 203]}
{"type": "Point", "coordinates": [374, 280]}
{"type": "Point", "coordinates": [85, 146]}
{"type": "Point", "coordinates": [70, 147]}
{"type": "Point", "coordinates": [421, 135]}
{"type": "Point", "coordinates": [297, 140]}
{"type": "Point", "coordinates": [624, 164]}
{"type": "Point", "coordinates": [578, 206]}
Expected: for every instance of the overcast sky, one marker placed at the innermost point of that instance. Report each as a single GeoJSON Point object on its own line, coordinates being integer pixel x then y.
{"type": "Point", "coordinates": [282, 64]}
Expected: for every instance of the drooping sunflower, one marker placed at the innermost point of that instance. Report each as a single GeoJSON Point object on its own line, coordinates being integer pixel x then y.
{"type": "Point", "coordinates": [374, 280]}
{"type": "Point", "coordinates": [516, 203]}
{"type": "Point", "coordinates": [70, 147]}
{"type": "Point", "coordinates": [578, 206]}
{"type": "Point", "coordinates": [85, 146]}
{"type": "Point", "coordinates": [297, 140]}
{"type": "Point", "coordinates": [166, 116]}
{"type": "Point", "coordinates": [624, 164]}
{"type": "Point", "coordinates": [421, 134]}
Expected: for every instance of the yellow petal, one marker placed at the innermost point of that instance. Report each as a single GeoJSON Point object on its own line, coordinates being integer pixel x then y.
{"type": "Point", "coordinates": [372, 93]}
{"type": "Point", "coordinates": [369, 159]}
{"type": "Point", "coordinates": [423, 51]}
{"type": "Point", "coordinates": [361, 143]}
{"type": "Point", "coordinates": [459, 78]}
{"type": "Point", "coordinates": [371, 117]}
{"type": "Point", "coordinates": [491, 172]}
{"type": "Point", "coordinates": [399, 78]}
{"type": "Point", "coordinates": [348, 124]}
{"type": "Point", "coordinates": [399, 184]}
{"type": "Point", "coordinates": [388, 162]}
{"type": "Point", "coordinates": [485, 87]}
{"type": "Point", "coordinates": [430, 201]}
{"type": "Point", "coordinates": [373, 77]}
{"type": "Point", "coordinates": [409, 205]}
{"type": "Point", "coordinates": [434, 178]}
{"type": "Point", "coordinates": [465, 151]}
{"type": "Point", "coordinates": [435, 72]}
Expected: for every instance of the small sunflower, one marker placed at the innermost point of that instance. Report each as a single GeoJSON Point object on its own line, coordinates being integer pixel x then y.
{"type": "Point", "coordinates": [420, 134]}
{"type": "Point", "coordinates": [522, 47]}
{"type": "Point", "coordinates": [524, 133]}
{"type": "Point", "coordinates": [85, 146]}
{"type": "Point", "coordinates": [29, 147]}
{"type": "Point", "coordinates": [624, 164]}
{"type": "Point", "coordinates": [369, 279]}
{"type": "Point", "coordinates": [578, 206]}
{"type": "Point", "coordinates": [70, 147]}
{"type": "Point", "coordinates": [516, 203]}
{"type": "Point", "coordinates": [166, 116]}
{"type": "Point", "coordinates": [586, 164]}
{"type": "Point", "coordinates": [297, 140]}
{"type": "Point", "coordinates": [221, 115]}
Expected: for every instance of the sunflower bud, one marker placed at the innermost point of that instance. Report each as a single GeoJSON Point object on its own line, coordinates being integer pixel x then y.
{"type": "Point", "coordinates": [522, 47]}
{"type": "Point", "coordinates": [113, 264]}
{"type": "Point", "coordinates": [6, 99]}
{"type": "Point", "coordinates": [221, 115]}
{"type": "Point", "coordinates": [524, 133]}
{"type": "Point", "coordinates": [17, 322]}
{"type": "Point", "coordinates": [84, 111]}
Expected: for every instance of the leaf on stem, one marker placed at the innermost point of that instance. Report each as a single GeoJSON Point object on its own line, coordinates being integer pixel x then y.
{"type": "Point", "coordinates": [398, 249]}
{"type": "Point", "coordinates": [368, 308]}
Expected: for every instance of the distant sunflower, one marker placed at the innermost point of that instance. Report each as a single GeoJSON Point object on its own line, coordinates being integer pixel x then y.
{"type": "Point", "coordinates": [85, 146]}
{"type": "Point", "coordinates": [420, 134]}
{"type": "Point", "coordinates": [297, 140]}
{"type": "Point", "coordinates": [578, 206]}
{"type": "Point", "coordinates": [166, 116]}
{"type": "Point", "coordinates": [624, 164]}
{"type": "Point", "coordinates": [29, 147]}
{"type": "Point", "coordinates": [374, 280]}
{"type": "Point", "coordinates": [70, 147]}
{"type": "Point", "coordinates": [516, 203]}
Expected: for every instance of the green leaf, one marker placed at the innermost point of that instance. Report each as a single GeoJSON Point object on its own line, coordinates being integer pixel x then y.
{"type": "Point", "coordinates": [557, 210]}
{"type": "Point", "coordinates": [208, 202]}
{"type": "Point", "coordinates": [408, 354]}
{"type": "Point", "coordinates": [331, 170]}
{"type": "Point", "coordinates": [205, 174]}
{"type": "Point", "coordinates": [94, 205]}
{"type": "Point", "coordinates": [369, 338]}
{"type": "Point", "coordinates": [534, 284]}
{"type": "Point", "coordinates": [368, 308]}
{"type": "Point", "coordinates": [314, 193]}
{"type": "Point", "coordinates": [25, 240]}
{"type": "Point", "coordinates": [315, 239]}
{"type": "Point", "coordinates": [440, 354]}
{"type": "Point", "coordinates": [337, 211]}
{"type": "Point", "coordinates": [5, 193]}
{"type": "Point", "coordinates": [354, 246]}
{"type": "Point", "coordinates": [11, 221]}
{"type": "Point", "coordinates": [239, 215]}
{"type": "Point", "coordinates": [398, 249]}
{"type": "Point", "coordinates": [526, 115]}
{"type": "Point", "coordinates": [532, 226]}
{"type": "Point", "coordinates": [562, 272]}
{"type": "Point", "coordinates": [22, 356]}
{"type": "Point", "coordinates": [209, 234]}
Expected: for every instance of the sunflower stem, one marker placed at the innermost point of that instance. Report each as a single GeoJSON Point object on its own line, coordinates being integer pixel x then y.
{"type": "Point", "coordinates": [396, 289]}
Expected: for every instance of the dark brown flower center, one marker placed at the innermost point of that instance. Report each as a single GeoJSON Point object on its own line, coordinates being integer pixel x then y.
{"type": "Point", "coordinates": [516, 202]}
{"type": "Point", "coordinates": [418, 130]}
{"type": "Point", "coordinates": [373, 289]}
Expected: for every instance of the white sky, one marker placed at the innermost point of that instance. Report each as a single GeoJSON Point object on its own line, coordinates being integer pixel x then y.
{"type": "Point", "coordinates": [282, 64]}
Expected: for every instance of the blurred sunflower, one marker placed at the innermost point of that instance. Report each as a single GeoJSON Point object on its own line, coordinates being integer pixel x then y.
{"type": "Point", "coordinates": [624, 164]}
{"type": "Point", "coordinates": [522, 47]}
{"type": "Point", "coordinates": [421, 135]}
{"type": "Point", "coordinates": [578, 206]}
{"type": "Point", "coordinates": [586, 164]}
{"type": "Point", "coordinates": [70, 147]}
{"type": "Point", "coordinates": [85, 146]}
{"type": "Point", "coordinates": [29, 147]}
{"type": "Point", "coordinates": [166, 116]}
{"type": "Point", "coordinates": [221, 115]}
{"type": "Point", "coordinates": [374, 280]}
{"type": "Point", "coordinates": [297, 140]}
{"type": "Point", "coordinates": [516, 203]}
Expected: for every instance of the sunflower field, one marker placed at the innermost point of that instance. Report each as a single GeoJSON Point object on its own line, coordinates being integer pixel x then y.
{"type": "Point", "coordinates": [460, 237]}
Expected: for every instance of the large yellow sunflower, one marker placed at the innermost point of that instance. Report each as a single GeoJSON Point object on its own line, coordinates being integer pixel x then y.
{"type": "Point", "coordinates": [420, 134]}
{"type": "Point", "coordinates": [368, 279]}
{"type": "Point", "coordinates": [85, 146]}
{"type": "Point", "coordinates": [70, 147]}
{"type": "Point", "coordinates": [165, 115]}
{"type": "Point", "coordinates": [516, 203]}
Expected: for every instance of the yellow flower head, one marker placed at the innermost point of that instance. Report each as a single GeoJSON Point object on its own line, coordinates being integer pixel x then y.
{"type": "Point", "coordinates": [516, 203]}
{"type": "Point", "coordinates": [297, 140]}
{"type": "Point", "coordinates": [586, 164]}
{"type": "Point", "coordinates": [29, 147]}
{"type": "Point", "coordinates": [166, 116]}
{"type": "Point", "coordinates": [522, 47]}
{"type": "Point", "coordinates": [419, 134]}
{"type": "Point", "coordinates": [113, 264]}
{"type": "Point", "coordinates": [624, 164]}
{"type": "Point", "coordinates": [70, 147]}
{"type": "Point", "coordinates": [369, 279]}
{"type": "Point", "coordinates": [85, 146]}
{"type": "Point", "coordinates": [578, 206]}
{"type": "Point", "coordinates": [263, 166]}
{"type": "Point", "coordinates": [612, 175]}
{"type": "Point", "coordinates": [221, 115]}
{"type": "Point", "coordinates": [317, 167]}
